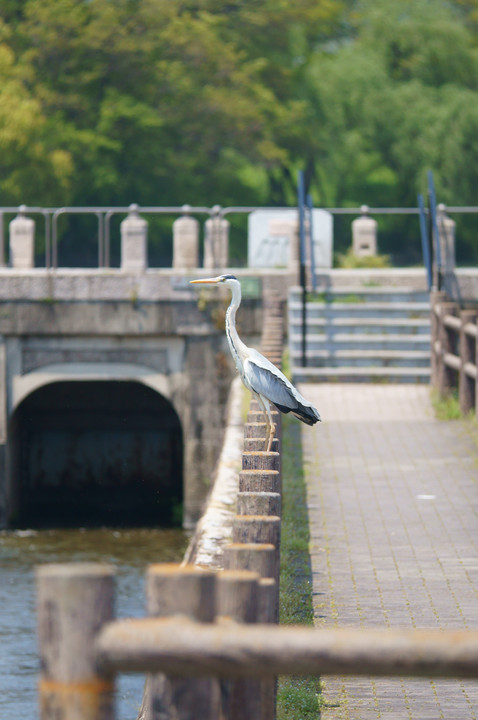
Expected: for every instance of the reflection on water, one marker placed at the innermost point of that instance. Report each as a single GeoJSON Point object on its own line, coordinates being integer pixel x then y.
{"type": "Point", "coordinates": [130, 550]}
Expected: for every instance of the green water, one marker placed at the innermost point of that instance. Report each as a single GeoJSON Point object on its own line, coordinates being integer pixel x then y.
{"type": "Point", "coordinates": [129, 550]}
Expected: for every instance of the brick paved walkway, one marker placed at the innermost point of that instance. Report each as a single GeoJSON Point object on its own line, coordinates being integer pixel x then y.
{"type": "Point", "coordinates": [393, 504]}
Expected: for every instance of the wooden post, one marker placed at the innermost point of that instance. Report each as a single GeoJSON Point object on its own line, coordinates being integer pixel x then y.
{"type": "Point", "coordinates": [436, 298]}
{"type": "Point", "coordinates": [446, 336]}
{"type": "Point", "coordinates": [257, 557]}
{"type": "Point", "coordinates": [258, 416]}
{"type": "Point", "coordinates": [255, 430]}
{"type": "Point", "coordinates": [259, 481]}
{"type": "Point", "coordinates": [259, 503]}
{"type": "Point", "coordinates": [188, 591]}
{"type": "Point", "coordinates": [268, 612]}
{"type": "Point", "coordinates": [260, 461]}
{"type": "Point", "coordinates": [74, 602]}
{"type": "Point", "coordinates": [257, 444]}
{"type": "Point", "coordinates": [237, 600]}
{"type": "Point", "coordinates": [476, 383]}
{"type": "Point", "coordinates": [466, 386]}
{"type": "Point", "coordinates": [258, 529]}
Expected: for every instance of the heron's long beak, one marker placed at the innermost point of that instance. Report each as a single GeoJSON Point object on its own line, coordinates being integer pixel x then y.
{"type": "Point", "coordinates": [206, 280]}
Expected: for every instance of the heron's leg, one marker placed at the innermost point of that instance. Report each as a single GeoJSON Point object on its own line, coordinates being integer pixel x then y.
{"type": "Point", "coordinates": [266, 409]}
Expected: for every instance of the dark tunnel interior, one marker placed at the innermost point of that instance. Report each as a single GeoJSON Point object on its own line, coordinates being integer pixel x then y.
{"type": "Point", "coordinates": [96, 453]}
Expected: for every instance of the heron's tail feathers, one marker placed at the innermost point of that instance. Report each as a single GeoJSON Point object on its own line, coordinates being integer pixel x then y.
{"type": "Point", "coordinates": [307, 413]}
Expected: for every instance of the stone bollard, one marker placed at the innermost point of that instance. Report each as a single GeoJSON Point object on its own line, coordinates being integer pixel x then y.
{"type": "Point", "coordinates": [22, 241]}
{"type": "Point", "coordinates": [446, 233]}
{"type": "Point", "coordinates": [134, 237]}
{"type": "Point", "coordinates": [216, 240]}
{"type": "Point", "coordinates": [185, 241]}
{"type": "Point", "coordinates": [364, 234]}
{"type": "Point", "coordinates": [74, 601]}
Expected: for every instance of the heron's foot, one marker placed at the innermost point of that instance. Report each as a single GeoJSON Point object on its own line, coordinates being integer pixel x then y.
{"type": "Point", "coordinates": [272, 431]}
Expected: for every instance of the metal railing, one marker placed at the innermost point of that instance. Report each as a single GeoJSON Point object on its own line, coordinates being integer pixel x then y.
{"type": "Point", "coordinates": [104, 214]}
{"type": "Point", "coordinates": [429, 225]}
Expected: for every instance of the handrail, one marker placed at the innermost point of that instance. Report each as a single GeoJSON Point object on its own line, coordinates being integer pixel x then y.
{"type": "Point", "coordinates": [205, 642]}
{"type": "Point", "coordinates": [104, 215]}
{"type": "Point", "coordinates": [454, 350]}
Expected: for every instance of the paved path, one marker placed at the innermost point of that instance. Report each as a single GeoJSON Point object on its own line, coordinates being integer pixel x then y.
{"type": "Point", "coordinates": [393, 503]}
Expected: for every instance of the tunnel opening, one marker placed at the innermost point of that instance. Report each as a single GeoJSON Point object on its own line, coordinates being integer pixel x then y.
{"type": "Point", "coordinates": [96, 453]}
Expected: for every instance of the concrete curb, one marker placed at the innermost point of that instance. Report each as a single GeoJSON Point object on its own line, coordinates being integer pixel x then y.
{"type": "Point", "coordinates": [214, 529]}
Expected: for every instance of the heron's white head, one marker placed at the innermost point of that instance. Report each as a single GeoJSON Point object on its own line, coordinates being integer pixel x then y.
{"type": "Point", "coordinates": [227, 279]}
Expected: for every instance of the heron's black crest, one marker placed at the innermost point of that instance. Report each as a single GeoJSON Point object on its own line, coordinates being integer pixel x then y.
{"type": "Point", "coordinates": [228, 277]}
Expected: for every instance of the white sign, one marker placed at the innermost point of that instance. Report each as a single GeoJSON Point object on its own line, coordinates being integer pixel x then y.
{"type": "Point", "coordinates": [272, 234]}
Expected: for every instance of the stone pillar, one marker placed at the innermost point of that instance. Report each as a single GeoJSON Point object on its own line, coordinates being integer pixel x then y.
{"type": "Point", "coordinates": [364, 234]}
{"type": "Point", "coordinates": [216, 241]}
{"type": "Point", "coordinates": [22, 241]}
{"type": "Point", "coordinates": [134, 237]}
{"type": "Point", "coordinates": [185, 241]}
{"type": "Point", "coordinates": [446, 233]}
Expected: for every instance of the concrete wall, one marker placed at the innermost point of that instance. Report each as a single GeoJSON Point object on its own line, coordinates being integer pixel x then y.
{"type": "Point", "coordinates": [85, 331]}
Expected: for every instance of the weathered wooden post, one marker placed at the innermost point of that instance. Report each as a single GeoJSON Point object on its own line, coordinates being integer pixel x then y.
{"type": "Point", "coordinates": [260, 461]}
{"type": "Point", "coordinates": [259, 529]}
{"type": "Point", "coordinates": [255, 436]}
{"type": "Point", "coordinates": [257, 557]}
{"type": "Point", "coordinates": [238, 601]}
{"type": "Point", "coordinates": [259, 503]}
{"type": "Point", "coordinates": [188, 591]}
{"type": "Point", "coordinates": [74, 602]}
{"type": "Point", "coordinates": [466, 384]}
{"type": "Point", "coordinates": [436, 298]}
{"type": "Point", "coordinates": [260, 481]}
{"type": "Point", "coordinates": [446, 336]}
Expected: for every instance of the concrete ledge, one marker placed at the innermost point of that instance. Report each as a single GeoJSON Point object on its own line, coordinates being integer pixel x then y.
{"type": "Point", "coordinates": [214, 529]}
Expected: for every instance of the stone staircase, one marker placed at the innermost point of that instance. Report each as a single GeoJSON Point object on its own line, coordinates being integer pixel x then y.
{"type": "Point", "coordinates": [361, 334]}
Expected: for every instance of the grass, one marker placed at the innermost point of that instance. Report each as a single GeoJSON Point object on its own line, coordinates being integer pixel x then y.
{"type": "Point", "coordinates": [297, 698]}
{"type": "Point", "coordinates": [351, 262]}
{"type": "Point", "coordinates": [324, 298]}
{"type": "Point", "coordinates": [446, 407]}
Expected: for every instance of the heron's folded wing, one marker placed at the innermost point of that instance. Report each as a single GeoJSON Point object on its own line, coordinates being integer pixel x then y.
{"type": "Point", "coordinates": [271, 383]}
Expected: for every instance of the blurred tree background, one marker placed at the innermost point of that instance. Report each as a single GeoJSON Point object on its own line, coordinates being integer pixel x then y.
{"type": "Point", "coordinates": [165, 102]}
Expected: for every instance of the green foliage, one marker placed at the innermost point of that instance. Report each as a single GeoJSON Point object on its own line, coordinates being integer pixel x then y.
{"type": "Point", "coordinates": [446, 407]}
{"type": "Point", "coordinates": [349, 260]}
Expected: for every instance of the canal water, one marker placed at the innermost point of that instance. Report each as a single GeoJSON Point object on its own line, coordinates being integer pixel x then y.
{"type": "Point", "coordinates": [129, 550]}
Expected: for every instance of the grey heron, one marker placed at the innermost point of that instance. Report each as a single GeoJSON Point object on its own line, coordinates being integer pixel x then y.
{"type": "Point", "coordinates": [258, 374]}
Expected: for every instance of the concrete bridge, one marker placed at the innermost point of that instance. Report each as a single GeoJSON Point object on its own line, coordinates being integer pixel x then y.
{"type": "Point", "coordinates": [113, 388]}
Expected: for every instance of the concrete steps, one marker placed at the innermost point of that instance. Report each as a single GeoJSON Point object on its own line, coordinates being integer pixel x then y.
{"type": "Point", "coordinates": [359, 334]}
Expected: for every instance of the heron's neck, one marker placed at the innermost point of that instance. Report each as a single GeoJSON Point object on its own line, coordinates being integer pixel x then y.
{"type": "Point", "coordinates": [235, 342]}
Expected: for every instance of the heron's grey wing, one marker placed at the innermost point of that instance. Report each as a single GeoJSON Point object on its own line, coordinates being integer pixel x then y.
{"type": "Point", "coordinates": [267, 380]}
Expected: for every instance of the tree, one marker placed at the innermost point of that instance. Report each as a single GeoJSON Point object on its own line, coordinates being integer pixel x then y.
{"type": "Point", "coordinates": [398, 99]}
